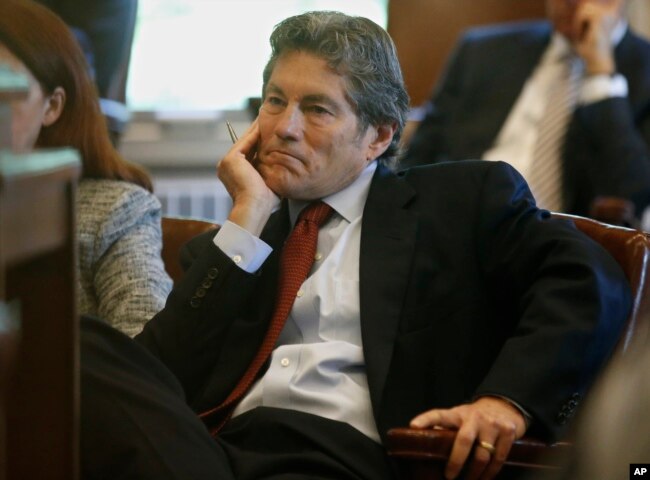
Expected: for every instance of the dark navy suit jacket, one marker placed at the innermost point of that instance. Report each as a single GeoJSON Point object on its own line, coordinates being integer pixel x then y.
{"type": "Point", "coordinates": [466, 288]}
{"type": "Point", "coordinates": [606, 149]}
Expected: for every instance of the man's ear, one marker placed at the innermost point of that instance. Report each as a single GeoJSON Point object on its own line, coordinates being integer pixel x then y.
{"type": "Point", "coordinates": [54, 105]}
{"type": "Point", "coordinates": [383, 137]}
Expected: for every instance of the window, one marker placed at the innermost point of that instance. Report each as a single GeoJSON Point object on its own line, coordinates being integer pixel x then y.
{"type": "Point", "coordinates": [194, 55]}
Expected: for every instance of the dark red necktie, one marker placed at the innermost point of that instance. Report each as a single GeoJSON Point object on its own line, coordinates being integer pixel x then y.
{"type": "Point", "coordinates": [295, 264]}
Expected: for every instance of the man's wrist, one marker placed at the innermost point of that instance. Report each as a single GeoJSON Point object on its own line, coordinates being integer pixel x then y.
{"type": "Point", "coordinates": [528, 418]}
{"type": "Point", "coordinates": [599, 87]}
{"type": "Point", "coordinates": [247, 251]}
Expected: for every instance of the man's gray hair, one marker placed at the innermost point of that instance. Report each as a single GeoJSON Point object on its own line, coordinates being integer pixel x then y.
{"type": "Point", "coordinates": [359, 50]}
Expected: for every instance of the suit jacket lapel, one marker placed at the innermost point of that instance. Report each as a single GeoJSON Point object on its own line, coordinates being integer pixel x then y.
{"type": "Point", "coordinates": [387, 242]}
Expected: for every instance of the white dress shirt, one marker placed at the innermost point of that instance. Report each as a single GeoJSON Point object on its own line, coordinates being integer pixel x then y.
{"type": "Point", "coordinates": [516, 141]}
{"type": "Point", "coordinates": [318, 365]}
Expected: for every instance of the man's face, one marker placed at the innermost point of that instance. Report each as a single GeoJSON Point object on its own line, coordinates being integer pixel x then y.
{"type": "Point", "coordinates": [561, 13]}
{"type": "Point", "coordinates": [310, 145]}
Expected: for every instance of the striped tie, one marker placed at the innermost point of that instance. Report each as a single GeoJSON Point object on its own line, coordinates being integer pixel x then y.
{"type": "Point", "coordinates": [295, 264]}
{"type": "Point", "coordinates": [545, 179]}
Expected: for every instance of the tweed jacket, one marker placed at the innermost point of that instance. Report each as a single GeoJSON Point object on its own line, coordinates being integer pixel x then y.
{"type": "Point", "coordinates": [122, 278]}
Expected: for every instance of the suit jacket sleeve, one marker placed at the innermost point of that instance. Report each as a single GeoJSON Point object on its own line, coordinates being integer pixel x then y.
{"type": "Point", "coordinates": [570, 297]}
{"type": "Point", "coordinates": [609, 141]}
{"type": "Point", "coordinates": [188, 334]}
{"type": "Point", "coordinates": [617, 157]}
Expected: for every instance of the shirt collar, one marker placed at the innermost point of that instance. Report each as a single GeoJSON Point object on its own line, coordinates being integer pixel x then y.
{"type": "Point", "coordinates": [348, 203]}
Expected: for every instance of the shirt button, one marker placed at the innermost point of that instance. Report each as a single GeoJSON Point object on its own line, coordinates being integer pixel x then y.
{"type": "Point", "coordinates": [318, 257]}
{"type": "Point", "coordinates": [299, 293]}
{"type": "Point", "coordinates": [237, 259]}
{"type": "Point", "coordinates": [284, 362]}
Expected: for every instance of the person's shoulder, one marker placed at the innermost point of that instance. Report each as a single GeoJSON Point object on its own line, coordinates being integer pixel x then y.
{"type": "Point", "coordinates": [113, 206]}
{"type": "Point", "coordinates": [469, 174]}
{"type": "Point", "coordinates": [111, 195]}
{"type": "Point", "coordinates": [636, 45]}
{"type": "Point", "coordinates": [464, 167]}
{"type": "Point", "coordinates": [636, 37]}
{"type": "Point", "coordinates": [533, 29]}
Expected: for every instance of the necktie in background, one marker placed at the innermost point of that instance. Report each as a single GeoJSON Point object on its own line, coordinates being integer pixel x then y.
{"type": "Point", "coordinates": [295, 264]}
{"type": "Point", "coordinates": [545, 179]}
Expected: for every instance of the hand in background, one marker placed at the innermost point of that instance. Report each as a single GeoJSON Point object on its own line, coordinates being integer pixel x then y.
{"type": "Point", "coordinates": [593, 24]}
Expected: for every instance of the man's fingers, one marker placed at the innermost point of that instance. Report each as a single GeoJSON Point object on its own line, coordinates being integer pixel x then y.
{"type": "Point", "coordinates": [502, 448]}
{"type": "Point", "coordinates": [482, 458]}
{"type": "Point", "coordinates": [437, 418]}
{"type": "Point", "coordinates": [460, 452]}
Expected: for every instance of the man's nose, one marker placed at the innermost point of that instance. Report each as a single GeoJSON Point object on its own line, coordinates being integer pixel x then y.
{"type": "Point", "coordinates": [290, 123]}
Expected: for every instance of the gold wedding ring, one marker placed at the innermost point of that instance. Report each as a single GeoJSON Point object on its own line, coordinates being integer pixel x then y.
{"type": "Point", "coordinates": [488, 446]}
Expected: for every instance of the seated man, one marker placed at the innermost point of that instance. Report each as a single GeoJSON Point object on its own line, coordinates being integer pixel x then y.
{"type": "Point", "coordinates": [440, 296]}
{"type": "Point", "coordinates": [566, 102]}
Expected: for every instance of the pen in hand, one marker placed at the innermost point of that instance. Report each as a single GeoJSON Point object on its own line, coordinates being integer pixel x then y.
{"type": "Point", "coordinates": [231, 131]}
{"type": "Point", "coordinates": [233, 135]}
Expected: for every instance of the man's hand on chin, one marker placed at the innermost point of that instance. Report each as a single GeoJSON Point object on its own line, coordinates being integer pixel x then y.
{"type": "Point", "coordinates": [593, 24]}
{"type": "Point", "coordinates": [253, 201]}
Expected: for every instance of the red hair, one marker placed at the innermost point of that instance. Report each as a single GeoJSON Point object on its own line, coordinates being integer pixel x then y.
{"type": "Point", "coordinates": [47, 47]}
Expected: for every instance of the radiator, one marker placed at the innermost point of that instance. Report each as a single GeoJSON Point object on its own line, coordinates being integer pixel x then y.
{"type": "Point", "coordinates": [204, 198]}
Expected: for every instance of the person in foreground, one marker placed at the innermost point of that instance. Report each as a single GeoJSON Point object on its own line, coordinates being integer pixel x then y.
{"type": "Point", "coordinates": [121, 273]}
{"type": "Point", "coordinates": [584, 71]}
{"type": "Point", "coordinates": [611, 433]}
{"type": "Point", "coordinates": [437, 297]}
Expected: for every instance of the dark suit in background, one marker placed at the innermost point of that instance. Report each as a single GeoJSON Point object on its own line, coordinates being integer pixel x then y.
{"type": "Point", "coordinates": [606, 149]}
{"type": "Point", "coordinates": [458, 279]}
{"type": "Point", "coordinates": [109, 26]}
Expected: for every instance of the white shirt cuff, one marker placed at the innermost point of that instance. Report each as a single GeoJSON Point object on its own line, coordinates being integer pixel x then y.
{"type": "Point", "coordinates": [599, 87]}
{"type": "Point", "coordinates": [246, 250]}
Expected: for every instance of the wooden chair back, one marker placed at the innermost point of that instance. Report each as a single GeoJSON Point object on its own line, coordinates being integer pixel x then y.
{"type": "Point", "coordinates": [176, 232]}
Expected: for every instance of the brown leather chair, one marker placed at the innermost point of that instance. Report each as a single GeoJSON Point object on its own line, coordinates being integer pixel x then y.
{"type": "Point", "coordinates": [422, 454]}
{"type": "Point", "coordinates": [176, 231]}
{"type": "Point", "coordinates": [614, 211]}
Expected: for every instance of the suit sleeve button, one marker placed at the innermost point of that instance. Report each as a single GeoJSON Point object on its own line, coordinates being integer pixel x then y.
{"type": "Point", "coordinates": [206, 283]}
{"type": "Point", "coordinates": [195, 302]}
{"type": "Point", "coordinates": [200, 292]}
{"type": "Point", "coordinates": [213, 273]}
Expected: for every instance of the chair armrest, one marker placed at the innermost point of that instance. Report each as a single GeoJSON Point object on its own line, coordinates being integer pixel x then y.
{"type": "Point", "coordinates": [422, 454]}
{"type": "Point", "coordinates": [613, 210]}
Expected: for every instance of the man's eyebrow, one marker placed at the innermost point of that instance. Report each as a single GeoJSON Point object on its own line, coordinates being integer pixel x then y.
{"type": "Point", "coordinates": [273, 88]}
{"type": "Point", "coordinates": [310, 98]}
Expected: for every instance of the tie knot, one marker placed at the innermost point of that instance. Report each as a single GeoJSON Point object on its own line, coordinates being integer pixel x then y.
{"type": "Point", "coordinates": [317, 212]}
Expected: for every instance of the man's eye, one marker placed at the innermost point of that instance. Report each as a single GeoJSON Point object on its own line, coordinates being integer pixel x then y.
{"type": "Point", "coordinates": [273, 104]}
{"type": "Point", "coordinates": [317, 109]}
